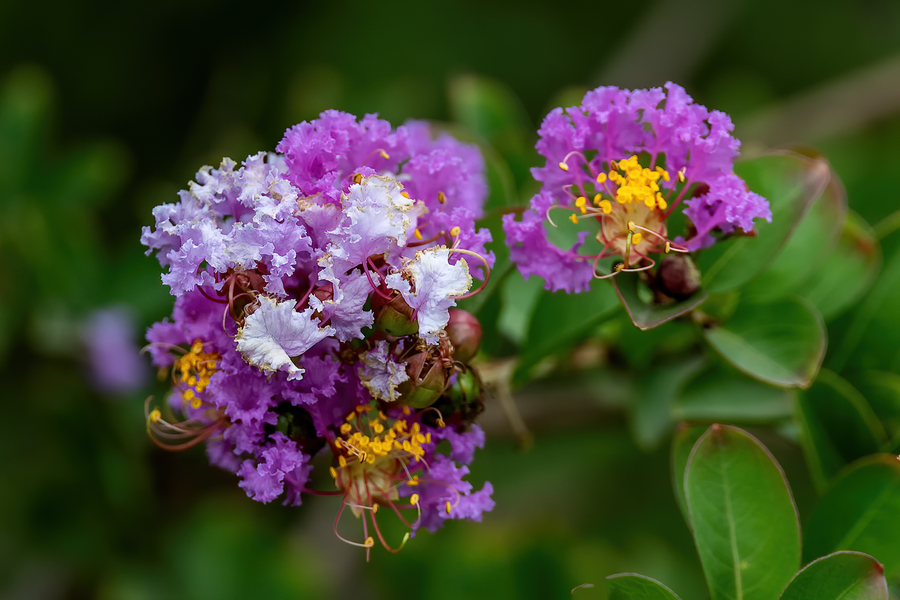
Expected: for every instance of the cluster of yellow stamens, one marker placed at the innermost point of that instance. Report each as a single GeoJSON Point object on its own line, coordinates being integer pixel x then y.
{"type": "Point", "coordinates": [638, 184]}
{"type": "Point", "coordinates": [195, 367]}
{"type": "Point", "coordinates": [378, 440]}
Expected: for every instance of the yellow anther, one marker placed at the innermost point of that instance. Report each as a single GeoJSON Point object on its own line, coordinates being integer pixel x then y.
{"type": "Point", "coordinates": [668, 247]}
{"type": "Point", "coordinates": [155, 415]}
{"type": "Point", "coordinates": [440, 423]}
{"type": "Point", "coordinates": [563, 166]}
{"type": "Point", "coordinates": [601, 178]}
{"type": "Point", "coordinates": [614, 166]}
{"type": "Point", "coordinates": [631, 226]}
{"type": "Point", "coordinates": [188, 395]}
{"type": "Point", "coordinates": [370, 541]}
{"type": "Point", "coordinates": [619, 267]}
{"type": "Point", "coordinates": [454, 232]}
{"type": "Point", "coordinates": [606, 205]}
{"type": "Point", "coordinates": [357, 178]}
{"type": "Point", "coordinates": [636, 238]}
{"type": "Point", "coordinates": [196, 403]}
{"type": "Point", "coordinates": [346, 428]}
{"type": "Point", "coordinates": [414, 499]}
{"type": "Point", "coordinates": [333, 472]}
{"type": "Point", "coordinates": [382, 416]}
{"type": "Point", "coordinates": [681, 176]}
{"type": "Point", "coordinates": [418, 234]}
{"type": "Point", "coordinates": [197, 347]}
{"type": "Point", "coordinates": [362, 408]}
{"type": "Point", "coordinates": [406, 411]}
{"type": "Point", "coordinates": [449, 507]}
{"type": "Point", "coordinates": [374, 508]}
{"type": "Point", "coordinates": [661, 202]}
{"type": "Point", "coordinates": [581, 202]}
{"type": "Point", "coordinates": [573, 218]}
{"type": "Point", "coordinates": [369, 458]}
{"type": "Point", "coordinates": [441, 198]}
{"type": "Point", "coordinates": [342, 461]}
{"type": "Point", "coordinates": [378, 427]}
{"type": "Point", "coordinates": [350, 417]}
{"type": "Point", "coordinates": [428, 438]}
{"type": "Point", "coordinates": [413, 481]}
{"type": "Point", "coordinates": [405, 195]}
{"type": "Point", "coordinates": [384, 155]}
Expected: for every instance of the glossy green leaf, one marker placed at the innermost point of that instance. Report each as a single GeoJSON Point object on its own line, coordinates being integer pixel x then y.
{"type": "Point", "coordinates": [743, 516]}
{"type": "Point", "coordinates": [644, 314]}
{"type": "Point", "coordinates": [631, 586]}
{"type": "Point", "coordinates": [791, 183]}
{"type": "Point", "coordinates": [560, 319]}
{"type": "Point", "coordinates": [781, 343]}
{"type": "Point", "coordinates": [861, 512]}
{"type": "Point", "coordinates": [651, 415]}
{"type": "Point", "coordinates": [837, 426]}
{"type": "Point", "coordinates": [839, 576]}
{"type": "Point", "coordinates": [686, 435]}
{"type": "Point", "coordinates": [848, 271]}
{"type": "Point", "coordinates": [806, 249]}
{"type": "Point", "coordinates": [733, 397]}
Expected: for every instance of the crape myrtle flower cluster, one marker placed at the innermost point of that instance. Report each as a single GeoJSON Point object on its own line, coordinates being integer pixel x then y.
{"type": "Point", "coordinates": [314, 314]}
{"type": "Point", "coordinates": [619, 165]}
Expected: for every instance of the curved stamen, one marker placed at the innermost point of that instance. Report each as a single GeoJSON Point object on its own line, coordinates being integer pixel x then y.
{"type": "Point", "coordinates": [487, 272]}
{"type": "Point", "coordinates": [379, 151]}
{"type": "Point", "coordinates": [375, 288]}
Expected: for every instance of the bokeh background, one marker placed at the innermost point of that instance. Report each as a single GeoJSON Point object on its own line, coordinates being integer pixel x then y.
{"type": "Point", "coordinates": [108, 109]}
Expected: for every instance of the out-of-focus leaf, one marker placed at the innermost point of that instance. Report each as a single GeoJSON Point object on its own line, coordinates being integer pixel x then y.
{"type": "Point", "coordinates": [781, 343]}
{"type": "Point", "coordinates": [683, 441]}
{"type": "Point", "coordinates": [559, 320]}
{"type": "Point", "coordinates": [520, 297]}
{"type": "Point", "coordinates": [25, 101]}
{"type": "Point", "coordinates": [651, 415]}
{"type": "Point", "coordinates": [646, 315]}
{"type": "Point", "coordinates": [878, 315]}
{"type": "Point", "coordinates": [837, 426]}
{"type": "Point", "coordinates": [791, 183]}
{"type": "Point", "coordinates": [861, 512]}
{"type": "Point", "coordinates": [733, 397]}
{"type": "Point", "coordinates": [839, 576]}
{"type": "Point", "coordinates": [743, 515]}
{"type": "Point", "coordinates": [848, 271]}
{"type": "Point", "coordinates": [631, 586]}
{"type": "Point", "coordinates": [882, 390]}
{"type": "Point", "coordinates": [807, 248]}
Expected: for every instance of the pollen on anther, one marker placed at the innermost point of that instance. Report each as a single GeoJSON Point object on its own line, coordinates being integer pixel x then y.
{"type": "Point", "coordinates": [636, 238]}
{"type": "Point", "coordinates": [370, 541]}
{"type": "Point", "coordinates": [601, 178]}
{"type": "Point", "coordinates": [405, 195]}
{"type": "Point", "coordinates": [563, 166]}
{"type": "Point", "coordinates": [441, 197]}
{"type": "Point", "coordinates": [455, 232]}
{"type": "Point", "coordinates": [573, 218]}
{"type": "Point", "coordinates": [357, 178]}
{"type": "Point", "coordinates": [414, 499]}
{"type": "Point", "coordinates": [333, 472]}
{"type": "Point", "coordinates": [155, 415]}
{"type": "Point", "coordinates": [418, 234]}
{"type": "Point", "coordinates": [384, 155]}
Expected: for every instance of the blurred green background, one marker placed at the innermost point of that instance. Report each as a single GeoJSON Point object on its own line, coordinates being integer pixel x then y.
{"type": "Point", "coordinates": [108, 109]}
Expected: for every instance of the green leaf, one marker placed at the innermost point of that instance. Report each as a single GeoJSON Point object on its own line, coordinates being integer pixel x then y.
{"type": "Point", "coordinates": [683, 441]}
{"type": "Point", "coordinates": [861, 512]}
{"type": "Point", "coordinates": [743, 516]}
{"type": "Point", "coordinates": [733, 397]}
{"type": "Point", "coordinates": [791, 183]}
{"type": "Point", "coordinates": [807, 249]}
{"type": "Point", "coordinates": [646, 315]}
{"type": "Point", "coordinates": [631, 586]}
{"type": "Point", "coordinates": [781, 343]}
{"type": "Point", "coordinates": [651, 415]}
{"type": "Point", "coordinates": [837, 426]}
{"type": "Point", "coordinates": [848, 271]}
{"type": "Point", "coordinates": [839, 576]}
{"type": "Point", "coordinates": [561, 319]}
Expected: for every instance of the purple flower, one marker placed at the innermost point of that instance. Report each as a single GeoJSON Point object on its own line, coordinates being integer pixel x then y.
{"type": "Point", "coordinates": [113, 357]}
{"type": "Point", "coordinates": [617, 167]}
{"type": "Point", "coordinates": [284, 268]}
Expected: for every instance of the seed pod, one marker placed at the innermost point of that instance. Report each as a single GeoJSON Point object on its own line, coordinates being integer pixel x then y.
{"type": "Point", "coordinates": [678, 276]}
{"type": "Point", "coordinates": [464, 332]}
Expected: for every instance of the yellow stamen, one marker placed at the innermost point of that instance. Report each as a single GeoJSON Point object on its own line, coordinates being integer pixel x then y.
{"type": "Point", "coordinates": [441, 197]}
{"type": "Point", "coordinates": [601, 178]}
{"type": "Point", "coordinates": [342, 461]}
{"type": "Point", "coordinates": [449, 507]}
{"type": "Point", "coordinates": [357, 178]}
{"type": "Point", "coordinates": [563, 166]}
{"type": "Point", "coordinates": [346, 428]}
{"type": "Point", "coordinates": [384, 155]}
{"type": "Point", "coordinates": [414, 499]}
{"type": "Point", "coordinates": [197, 403]}
{"type": "Point", "coordinates": [636, 239]}
{"type": "Point", "coordinates": [333, 472]}
{"type": "Point", "coordinates": [370, 541]}
{"type": "Point", "coordinates": [155, 415]}
{"type": "Point", "coordinates": [454, 232]}
{"type": "Point", "coordinates": [573, 218]}
{"type": "Point", "coordinates": [374, 508]}
{"type": "Point", "coordinates": [405, 195]}
{"type": "Point", "coordinates": [580, 202]}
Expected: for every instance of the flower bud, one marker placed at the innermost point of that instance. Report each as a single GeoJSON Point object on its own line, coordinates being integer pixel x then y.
{"type": "Point", "coordinates": [464, 332]}
{"type": "Point", "coordinates": [395, 317]}
{"type": "Point", "coordinates": [678, 276]}
{"type": "Point", "coordinates": [422, 392]}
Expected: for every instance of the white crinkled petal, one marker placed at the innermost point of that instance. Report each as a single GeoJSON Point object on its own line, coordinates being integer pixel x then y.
{"type": "Point", "coordinates": [435, 282]}
{"type": "Point", "coordinates": [275, 332]}
{"type": "Point", "coordinates": [380, 374]}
